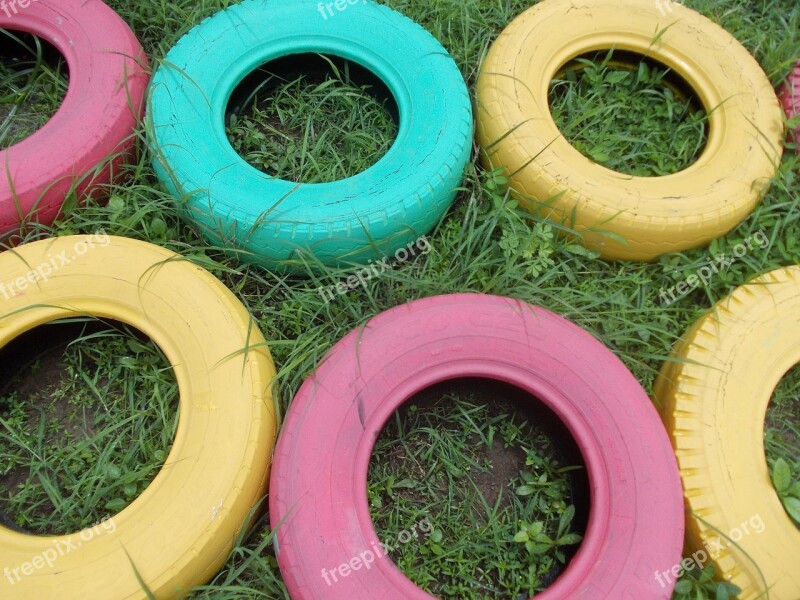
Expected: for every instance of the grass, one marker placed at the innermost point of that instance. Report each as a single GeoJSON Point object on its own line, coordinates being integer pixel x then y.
{"type": "Point", "coordinates": [86, 427]}
{"type": "Point", "coordinates": [598, 106]}
{"type": "Point", "coordinates": [782, 442]}
{"type": "Point", "coordinates": [485, 244]}
{"type": "Point", "coordinates": [508, 498]}
{"type": "Point", "coordinates": [31, 87]}
{"type": "Point", "coordinates": [335, 130]}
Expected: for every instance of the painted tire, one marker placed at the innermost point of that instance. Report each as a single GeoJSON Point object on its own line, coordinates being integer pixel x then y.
{"type": "Point", "coordinates": [107, 82]}
{"type": "Point", "coordinates": [179, 532]}
{"type": "Point", "coordinates": [790, 96]}
{"type": "Point", "coordinates": [714, 404]}
{"type": "Point", "coordinates": [272, 221]}
{"type": "Point", "coordinates": [653, 215]}
{"type": "Point", "coordinates": [318, 499]}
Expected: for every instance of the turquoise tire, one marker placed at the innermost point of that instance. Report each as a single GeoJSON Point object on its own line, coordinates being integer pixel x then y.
{"type": "Point", "coordinates": [282, 225]}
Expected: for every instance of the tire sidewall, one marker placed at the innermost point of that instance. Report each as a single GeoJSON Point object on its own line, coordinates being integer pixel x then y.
{"type": "Point", "coordinates": [96, 120]}
{"type": "Point", "coordinates": [413, 184]}
{"type": "Point", "coordinates": [371, 372]}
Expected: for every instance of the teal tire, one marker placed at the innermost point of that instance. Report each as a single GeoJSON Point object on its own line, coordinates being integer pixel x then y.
{"type": "Point", "coordinates": [283, 225]}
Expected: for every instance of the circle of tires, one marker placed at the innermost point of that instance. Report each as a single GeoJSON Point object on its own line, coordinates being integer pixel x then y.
{"type": "Point", "coordinates": [273, 222]}
{"type": "Point", "coordinates": [318, 499]}
{"type": "Point", "coordinates": [82, 147]}
{"type": "Point", "coordinates": [179, 531]}
{"type": "Point", "coordinates": [714, 398]}
{"type": "Point", "coordinates": [791, 99]}
{"type": "Point", "coordinates": [622, 216]}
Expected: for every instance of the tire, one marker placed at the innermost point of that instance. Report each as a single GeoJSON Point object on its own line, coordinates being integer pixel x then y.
{"type": "Point", "coordinates": [179, 532]}
{"type": "Point", "coordinates": [714, 402]}
{"type": "Point", "coordinates": [93, 132]}
{"type": "Point", "coordinates": [272, 222]}
{"type": "Point", "coordinates": [619, 215]}
{"type": "Point", "coordinates": [318, 500]}
{"type": "Point", "coordinates": [790, 97]}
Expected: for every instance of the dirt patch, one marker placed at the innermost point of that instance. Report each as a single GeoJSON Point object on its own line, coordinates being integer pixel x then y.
{"type": "Point", "coordinates": [35, 384]}
{"type": "Point", "coordinates": [506, 464]}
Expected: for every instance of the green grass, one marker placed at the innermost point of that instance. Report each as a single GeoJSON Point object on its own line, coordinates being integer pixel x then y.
{"type": "Point", "coordinates": [485, 244]}
{"type": "Point", "coordinates": [598, 106]}
{"type": "Point", "coordinates": [85, 429]}
{"type": "Point", "coordinates": [31, 87]}
{"type": "Point", "coordinates": [313, 131]}
{"type": "Point", "coordinates": [782, 442]}
{"type": "Point", "coordinates": [505, 494]}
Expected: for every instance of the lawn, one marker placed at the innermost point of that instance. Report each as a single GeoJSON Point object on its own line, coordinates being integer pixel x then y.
{"type": "Point", "coordinates": [87, 420]}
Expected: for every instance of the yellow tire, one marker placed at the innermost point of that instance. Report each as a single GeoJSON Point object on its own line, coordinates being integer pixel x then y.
{"type": "Point", "coordinates": [713, 402]}
{"type": "Point", "coordinates": [179, 532]}
{"type": "Point", "coordinates": [653, 215]}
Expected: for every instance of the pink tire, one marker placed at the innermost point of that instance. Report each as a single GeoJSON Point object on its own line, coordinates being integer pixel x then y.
{"type": "Point", "coordinates": [108, 75]}
{"type": "Point", "coordinates": [318, 498]}
{"type": "Point", "coordinates": [790, 98]}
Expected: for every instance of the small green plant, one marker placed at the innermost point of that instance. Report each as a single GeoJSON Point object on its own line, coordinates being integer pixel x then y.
{"type": "Point", "coordinates": [545, 487]}
{"type": "Point", "coordinates": [697, 584]}
{"type": "Point", "coordinates": [538, 542]}
{"type": "Point", "coordinates": [526, 240]}
{"type": "Point", "coordinates": [787, 483]}
{"type": "Point", "coordinates": [782, 442]}
{"type": "Point", "coordinates": [452, 450]}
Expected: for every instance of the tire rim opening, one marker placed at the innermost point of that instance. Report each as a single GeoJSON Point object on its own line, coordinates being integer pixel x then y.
{"type": "Point", "coordinates": [782, 442]}
{"type": "Point", "coordinates": [34, 78]}
{"type": "Point", "coordinates": [312, 118]}
{"type": "Point", "coordinates": [88, 412]}
{"type": "Point", "coordinates": [508, 470]}
{"type": "Point", "coordinates": [629, 113]}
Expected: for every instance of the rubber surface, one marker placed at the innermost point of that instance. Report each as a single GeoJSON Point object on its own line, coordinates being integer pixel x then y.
{"type": "Point", "coordinates": [714, 403]}
{"type": "Point", "coordinates": [179, 532]}
{"type": "Point", "coordinates": [372, 214]}
{"type": "Point", "coordinates": [105, 98]}
{"type": "Point", "coordinates": [652, 215]}
{"type": "Point", "coordinates": [790, 97]}
{"type": "Point", "coordinates": [318, 497]}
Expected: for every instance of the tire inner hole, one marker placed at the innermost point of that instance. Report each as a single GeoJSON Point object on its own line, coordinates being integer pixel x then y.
{"type": "Point", "coordinates": [629, 113]}
{"type": "Point", "coordinates": [312, 118]}
{"type": "Point", "coordinates": [461, 470]}
{"type": "Point", "coordinates": [782, 442]}
{"type": "Point", "coordinates": [88, 414]}
{"type": "Point", "coordinates": [34, 78]}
